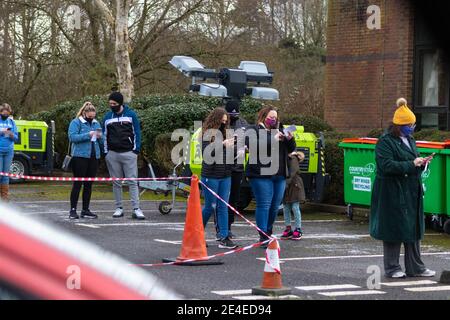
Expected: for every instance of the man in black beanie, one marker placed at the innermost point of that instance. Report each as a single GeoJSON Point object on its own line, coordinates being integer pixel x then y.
{"type": "Point", "coordinates": [239, 125]}
{"type": "Point", "coordinates": [122, 132]}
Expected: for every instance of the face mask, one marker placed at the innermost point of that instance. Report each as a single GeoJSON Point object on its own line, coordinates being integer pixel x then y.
{"type": "Point", "coordinates": [89, 120]}
{"type": "Point", "coordinates": [271, 123]}
{"type": "Point", "coordinates": [4, 117]}
{"type": "Point", "coordinates": [115, 109]}
{"type": "Point", "coordinates": [222, 127]}
{"type": "Point", "coordinates": [407, 130]}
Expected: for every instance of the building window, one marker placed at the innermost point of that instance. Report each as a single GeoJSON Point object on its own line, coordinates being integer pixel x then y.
{"type": "Point", "coordinates": [432, 77]}
{"type": "Point", "coordinates": [434, 82]}
{"type": "Point", "coordinates": [432, 88]}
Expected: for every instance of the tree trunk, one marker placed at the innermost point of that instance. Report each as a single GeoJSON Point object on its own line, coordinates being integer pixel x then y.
{"type": "Point", "coordinates": [4, 61]}
{"type": "Point", "coordinates": [122, 55]}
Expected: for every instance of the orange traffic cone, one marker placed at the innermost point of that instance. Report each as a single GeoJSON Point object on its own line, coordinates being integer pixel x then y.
{"type": "Point", "coordinates": [194, 244]}
{"type": "Point", "coordinates": [272, 283]}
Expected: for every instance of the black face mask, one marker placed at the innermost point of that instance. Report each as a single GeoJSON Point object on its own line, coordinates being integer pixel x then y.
{"type": "Point", "coordinates": [89, 120]}
{"type": "Point", "coordinates": [115, 109]}
{"type": "Point", "coordinates": [4, 117]}
{"type": "Point", "coordinates": [222, 127]}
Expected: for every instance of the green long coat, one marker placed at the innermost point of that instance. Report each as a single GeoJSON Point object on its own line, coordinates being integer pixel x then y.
{"type": "Point", "coordinates": [397, 197]}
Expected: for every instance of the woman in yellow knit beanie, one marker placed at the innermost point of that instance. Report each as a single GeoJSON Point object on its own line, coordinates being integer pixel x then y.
{"type": "Point", "coordinates": [397, 199]}
{"type": "Point", "coordinates": [403, 116]}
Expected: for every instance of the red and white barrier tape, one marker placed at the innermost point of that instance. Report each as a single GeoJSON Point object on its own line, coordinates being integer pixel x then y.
{"type": "Point", "coordinates": [235, 211]}
{"type": "Point", "coordinates": [271, 238]}
{"type": "Point", "coordinates": [71, 179]}
{"type": "Point", "coordinates": [206, 258]}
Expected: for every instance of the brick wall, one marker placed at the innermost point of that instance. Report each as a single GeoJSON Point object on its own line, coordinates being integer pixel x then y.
{"type": "Point", "coordinates": [367, 70]}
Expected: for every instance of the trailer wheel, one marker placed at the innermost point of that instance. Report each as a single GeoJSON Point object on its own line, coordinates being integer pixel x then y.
{"type": "Point", "coordinates": [19, 166]}
{"type": "Point", "coordinates": [447, 226]}
{"type": "Point", "coordinates": [165, 207]}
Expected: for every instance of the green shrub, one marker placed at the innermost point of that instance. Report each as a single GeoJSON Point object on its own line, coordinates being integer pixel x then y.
{"type": "Point", "coordinates": [158, 114]}
{"type": "Point", "coordinates": [311, 123]}
{"type": "Point", "coordinates": [167, 118]}
{"type": "Point", "coordinates": [334, 166]}
{"type": "Point", "coordinates": [425, 134]}
{"type": "Point", "coordinates": [162, 158]}
{"type": "Point", "coordinates": [376, 133]}
{"type": "Point", "coordinates": [432, 135]}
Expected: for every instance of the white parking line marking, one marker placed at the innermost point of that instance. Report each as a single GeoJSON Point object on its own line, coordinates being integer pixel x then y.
{"type": "Point", "coordinates": [266, 297]}
{"type": "Point", "coordinates": [171, 242]}
{"type": "Point", "coordinates": [329, 287]}
{"type": "Point", "coordinates": [353, 257]}
{"type": "Point", "coordinates": [138, 224]}
{"type": "Point", "coordinates": [429, 289]}
{"type": "Point", "coordinates": [350, 293]}
{"type": "Point", "coordinates": [408, 283]}
{"type": "Point", "coordinates": [232, 292]}
{"type": "Point", "coordinates": [93, 226]}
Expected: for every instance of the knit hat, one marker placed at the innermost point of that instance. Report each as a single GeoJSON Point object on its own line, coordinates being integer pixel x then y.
{"type": "Point", "coordinates": [117, 97]}
{"type": "Point", "coordinates": [232, 107]}
{"type": "Point", "coordinates": [403, 115]}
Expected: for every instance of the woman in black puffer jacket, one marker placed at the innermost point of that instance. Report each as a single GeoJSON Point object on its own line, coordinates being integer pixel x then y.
{"type": "Point", "coordinates": [216, 171]}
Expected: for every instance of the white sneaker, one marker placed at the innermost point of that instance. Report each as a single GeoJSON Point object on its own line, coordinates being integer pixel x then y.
{"type": "Point", "coordinates": [398, 275]}
{"type": "Point", "coordinates": [118, 213]}
{"type": "Point", "coordinates": [138, 214]}
{"type": "Point", "coordinates": [426, 274]}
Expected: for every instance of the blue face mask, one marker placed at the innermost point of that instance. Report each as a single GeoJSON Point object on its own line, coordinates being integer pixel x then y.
{"type": "Point", "coordinates": [407, 130]}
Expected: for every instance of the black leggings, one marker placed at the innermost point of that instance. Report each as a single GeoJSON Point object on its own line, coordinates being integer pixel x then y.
{"type": "Point", "coordinates": [82, 168]}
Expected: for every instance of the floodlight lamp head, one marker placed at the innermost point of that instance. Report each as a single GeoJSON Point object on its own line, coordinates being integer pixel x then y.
{"type": "Point", "coordinates": [263, 93]}
{"type": "Point", "coordinates": [186, 65]}
{"type": "Point", "coordinates": [213, 90]}
{"type": "Point", "coordinates": [254, 67]}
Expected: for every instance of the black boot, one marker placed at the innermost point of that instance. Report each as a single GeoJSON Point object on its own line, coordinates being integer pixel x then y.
{"type": "Point", "coordinates": [87, 214]}
{"type": "Point", "coordinates": [73, 214]}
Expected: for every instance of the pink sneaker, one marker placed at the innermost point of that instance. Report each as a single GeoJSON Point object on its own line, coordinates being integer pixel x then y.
{"type": "Point", "coordinates": [297, 234]}
{"type": "Point", "coordinates": [287, 234]}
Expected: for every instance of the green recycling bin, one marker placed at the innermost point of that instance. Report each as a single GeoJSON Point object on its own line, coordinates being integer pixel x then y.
{"type": "Point", "coordinates": [434, 184]}
{"type": "Point", "coordinates": [446, 154]}
{"type": "Point", "coordinates": [360, 172]}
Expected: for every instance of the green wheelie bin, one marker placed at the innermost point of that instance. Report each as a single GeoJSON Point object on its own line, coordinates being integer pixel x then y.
{"type": "Point", "coordinates": [360, 173]}
{"type": "Point", "coordinates": [446, 155]}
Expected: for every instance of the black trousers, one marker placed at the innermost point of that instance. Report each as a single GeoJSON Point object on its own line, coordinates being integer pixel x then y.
{"type": "Point", "coordinates": [236, 181]}
{"type": "Point", "coordinates": [413, 260]}
{"type": "Point", "coordinates": [82, 168]}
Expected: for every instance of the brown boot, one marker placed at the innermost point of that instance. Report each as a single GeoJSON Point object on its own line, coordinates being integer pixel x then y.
{"type": "Point", "coordinates": [4, 190]}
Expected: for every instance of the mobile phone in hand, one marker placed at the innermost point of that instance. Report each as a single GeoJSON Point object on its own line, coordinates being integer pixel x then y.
{"type": "Point", "coordinates": [429, 158]}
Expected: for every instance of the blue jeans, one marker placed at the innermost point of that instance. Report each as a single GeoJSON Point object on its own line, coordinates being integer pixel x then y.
{"type": "Point", "coordinates": [268, 194]}
{"type": "Point", "coordinates": [292, 207]}
{"type": "Point", "coordinates": [5, 164]}
{"type": "Point", "coordinates": [222, 187]}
